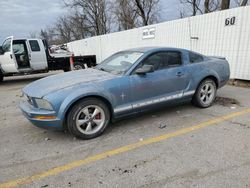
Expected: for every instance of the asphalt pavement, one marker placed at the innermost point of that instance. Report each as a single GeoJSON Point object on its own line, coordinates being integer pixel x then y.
{"type": "Point", "coordinates": [181, 146]}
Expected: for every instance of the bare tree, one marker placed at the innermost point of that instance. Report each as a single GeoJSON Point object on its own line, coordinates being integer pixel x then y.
{"type": "Point", "coordinates": [225, 4]}
{"type": "Point", "coordinates": [211, 5]}
{"type": "Point", "coordinates": [147, 10]}
{"type": "Point", "coordinates": [45, 34]}
{"type": "Point", "coordinates": [70, 27]}
{"type": "Point", "coordinates": [95, 14]}
{"type": "Point", "coordinates": [50, 35]}
{"type": "Point", "coordinates": [126, 14]}
{"type": "Point", "coordinates": [198, 7]}
{"type": "Point", "coordinates": [33, 34]}
{"type": "Point", "coordinates": [244, 2]}
{"type": "Point", "coordinates": [63, 29]}
{"type": "Point", "coordinates": [195, 6]}
{"type": "Point", "coordinates": [241, 2]}
{"type": "Point", "coordinates": [79, 29]}
{"type": "Point", "coordinates": [206, 6]}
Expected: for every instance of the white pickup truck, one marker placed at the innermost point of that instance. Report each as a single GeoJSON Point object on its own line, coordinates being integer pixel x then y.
{"type": "Point", "coordinates": [29, 56]}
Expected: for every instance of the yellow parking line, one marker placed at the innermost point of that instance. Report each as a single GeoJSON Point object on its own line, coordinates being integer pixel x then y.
{"type": "Point", "coordinates": [75, 164]}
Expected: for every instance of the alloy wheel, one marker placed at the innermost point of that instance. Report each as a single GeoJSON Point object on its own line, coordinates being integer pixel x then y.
{"type": "Point", "coordinates": [90, 119]}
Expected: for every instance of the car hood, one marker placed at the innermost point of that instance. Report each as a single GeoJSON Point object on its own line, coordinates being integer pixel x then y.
{"type": "Point", "coordinates": [44, 86]}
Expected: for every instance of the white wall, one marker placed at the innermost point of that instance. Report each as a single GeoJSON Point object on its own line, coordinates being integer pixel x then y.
{"type": "Point", "coordinates": [206, 34]}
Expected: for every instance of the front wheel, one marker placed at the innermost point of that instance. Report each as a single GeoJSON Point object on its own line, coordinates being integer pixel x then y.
{"type": "Point", "coordinates": [1, 77]}
{"type": "Point", "coordinates": [88, 118]}
{"type": "Point", "coordinates": [205, 94]}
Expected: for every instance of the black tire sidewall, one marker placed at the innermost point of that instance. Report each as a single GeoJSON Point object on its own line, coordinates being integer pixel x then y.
{"type": "Point", "coordinates": [196, 99]}
{"type": "Point", "coordinates": [75, 110]}
{"type": "Point", "coordinates": [80, 64]}
{"type": "Point", "coordinates": [1, 76]}
{"type": "Point", "coordinates": [66, 69]}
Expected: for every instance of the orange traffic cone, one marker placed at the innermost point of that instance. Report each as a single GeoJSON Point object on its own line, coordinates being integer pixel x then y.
{"type": "Point", "coordinates": [71, 61]}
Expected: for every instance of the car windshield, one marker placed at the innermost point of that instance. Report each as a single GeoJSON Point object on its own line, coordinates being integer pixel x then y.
{"type": "Point", "coordinates": [120, 62]}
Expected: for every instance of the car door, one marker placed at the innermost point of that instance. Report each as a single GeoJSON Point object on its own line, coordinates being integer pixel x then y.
{"type": "Point", "coordinates": [37, 55]}
{"type": "Point", "coordinates": [166, 83]}
{"type": "Point", "coordinates": [7, 59]}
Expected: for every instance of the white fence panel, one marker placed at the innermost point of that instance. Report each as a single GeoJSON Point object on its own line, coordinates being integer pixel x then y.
{"type": "Point", "coordinates": [223, 33]}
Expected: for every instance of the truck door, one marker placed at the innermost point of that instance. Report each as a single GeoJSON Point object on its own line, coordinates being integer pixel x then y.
{"type": "Point", "coordinates": [7, 58]}
{"type": "Point", "coordinates": [37, 54]}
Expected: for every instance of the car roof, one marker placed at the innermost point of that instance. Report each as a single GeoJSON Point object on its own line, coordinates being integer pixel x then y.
{"type": "Point", "coordinates": [154, 48]}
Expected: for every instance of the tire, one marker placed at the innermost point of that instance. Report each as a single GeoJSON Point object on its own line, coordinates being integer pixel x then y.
{"type": "Point", "coordinates": [79, 66]}
{"type": "Point", "coordinates": [205, 94]}
{"type": "Point", "coordinates": [81, 122]}
{"type": "Point", "coordinates": [66, 69]}
{"type": "Point", "coordinates": [1, 77]}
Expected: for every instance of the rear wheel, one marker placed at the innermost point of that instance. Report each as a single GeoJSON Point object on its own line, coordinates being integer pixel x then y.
{"type": "Point", "coordinates": [205, 94]}
{"type": "Point", "coordinates": [79, 66]}
{"type": "Point", "coordinates": [88, 118]}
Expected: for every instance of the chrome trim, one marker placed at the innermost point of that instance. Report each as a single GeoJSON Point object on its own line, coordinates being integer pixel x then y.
{"type": "Point", "coordinates": [124, 108]}
{"type": "Point", "coordinates": [154, 101]}
{"type": "Point", "coordinates": [189, 93]}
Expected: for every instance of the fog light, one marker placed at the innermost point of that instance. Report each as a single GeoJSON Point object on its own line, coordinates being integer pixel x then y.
{"type": "Point", "coordinates": [45, 117]}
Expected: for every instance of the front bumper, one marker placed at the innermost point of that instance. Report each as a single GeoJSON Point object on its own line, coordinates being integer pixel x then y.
{"type": "Point", "coordinates": [32, 113]}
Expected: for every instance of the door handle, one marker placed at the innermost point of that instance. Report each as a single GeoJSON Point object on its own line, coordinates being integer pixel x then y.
{"type": "Point", "coordinates": [179, 74]}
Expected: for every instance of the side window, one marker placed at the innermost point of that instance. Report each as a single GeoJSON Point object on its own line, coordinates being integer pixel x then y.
{"type": "Point", "coordinates": [174, 59]}
{"type": "Point", "coordinates": [34, 46]}
{"type": "Point", "coordinates": [195, 58]}
{"type": "Point", "coordinates": [6, 45]}
{"type": "Point", "coordinates": [158, 60]}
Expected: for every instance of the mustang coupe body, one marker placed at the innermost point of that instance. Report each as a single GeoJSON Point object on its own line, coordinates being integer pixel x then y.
{"type": "Point", "coordinates": [128, 82]}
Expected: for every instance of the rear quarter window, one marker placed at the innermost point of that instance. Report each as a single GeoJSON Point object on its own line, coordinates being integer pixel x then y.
{"type": "Point", "coordinates": [34, 46]}
{"type": "Point", "coordinates": [195, 58]}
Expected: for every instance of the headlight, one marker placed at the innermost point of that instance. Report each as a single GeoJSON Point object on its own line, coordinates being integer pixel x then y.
{"type": "Point", "coordinates": [25, 97]}
{"type": "Point", "coordinates": [43, 104]}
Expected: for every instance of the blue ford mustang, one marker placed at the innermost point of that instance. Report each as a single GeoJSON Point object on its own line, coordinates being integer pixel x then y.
{"type": "Point", "coordinates": [128, 82]}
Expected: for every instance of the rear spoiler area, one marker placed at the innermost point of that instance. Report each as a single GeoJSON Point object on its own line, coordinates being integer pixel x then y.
{"type": "Point", "coordinates": [217, 57]}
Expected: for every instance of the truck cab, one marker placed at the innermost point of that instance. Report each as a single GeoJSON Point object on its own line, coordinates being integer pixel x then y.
{"type": "Point", "coordinates": [22, 55]}
{"type": "Point", "coordinates": [30, 56]}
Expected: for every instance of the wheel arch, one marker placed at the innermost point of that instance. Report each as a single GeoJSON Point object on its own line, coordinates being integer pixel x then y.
{"type": "Point", "coordinates": [195, 101]}
{"type": "Point", "coordinates": [212, 77]}
{"type": "Point", "coordinates": [101, 98]}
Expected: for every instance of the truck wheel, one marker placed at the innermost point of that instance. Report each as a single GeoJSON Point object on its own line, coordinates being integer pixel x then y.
{"type": "Point", "coordinates": [88, 118]}
{"type": "Point", "coordinates": [205, 94]}
{"type": "Point", "coordinates": [66, 69]}
{"type": "Point", "coordinates": [1, 77]}
{"type": "Point", "coordinates": [79, 66]}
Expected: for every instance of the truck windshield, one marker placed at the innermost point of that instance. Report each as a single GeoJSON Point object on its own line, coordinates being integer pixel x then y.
{"type": "Point", "coordinates": [6, 45]}
{"type": "Point", "coordinates": [120, 62]}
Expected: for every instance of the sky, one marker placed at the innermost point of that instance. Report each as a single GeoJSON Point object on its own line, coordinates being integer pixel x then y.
{"type": "Point", "coordinates": [19, 18]}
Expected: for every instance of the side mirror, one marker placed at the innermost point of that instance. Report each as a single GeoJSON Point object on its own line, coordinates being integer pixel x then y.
{"type": "Point", "coordinates": [145, 69]}
{"type": "Point", "coordinates": [1, 50]}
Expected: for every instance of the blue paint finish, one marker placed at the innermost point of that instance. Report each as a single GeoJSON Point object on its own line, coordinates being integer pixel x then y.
{"type": "Point", "coordinates": [128, 93]}
{"type": "Point", "coordinates": [30, 113]}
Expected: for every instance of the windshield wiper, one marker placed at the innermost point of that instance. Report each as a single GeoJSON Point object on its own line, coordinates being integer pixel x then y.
{"type": "Point", "coordinates": [102, 69]}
